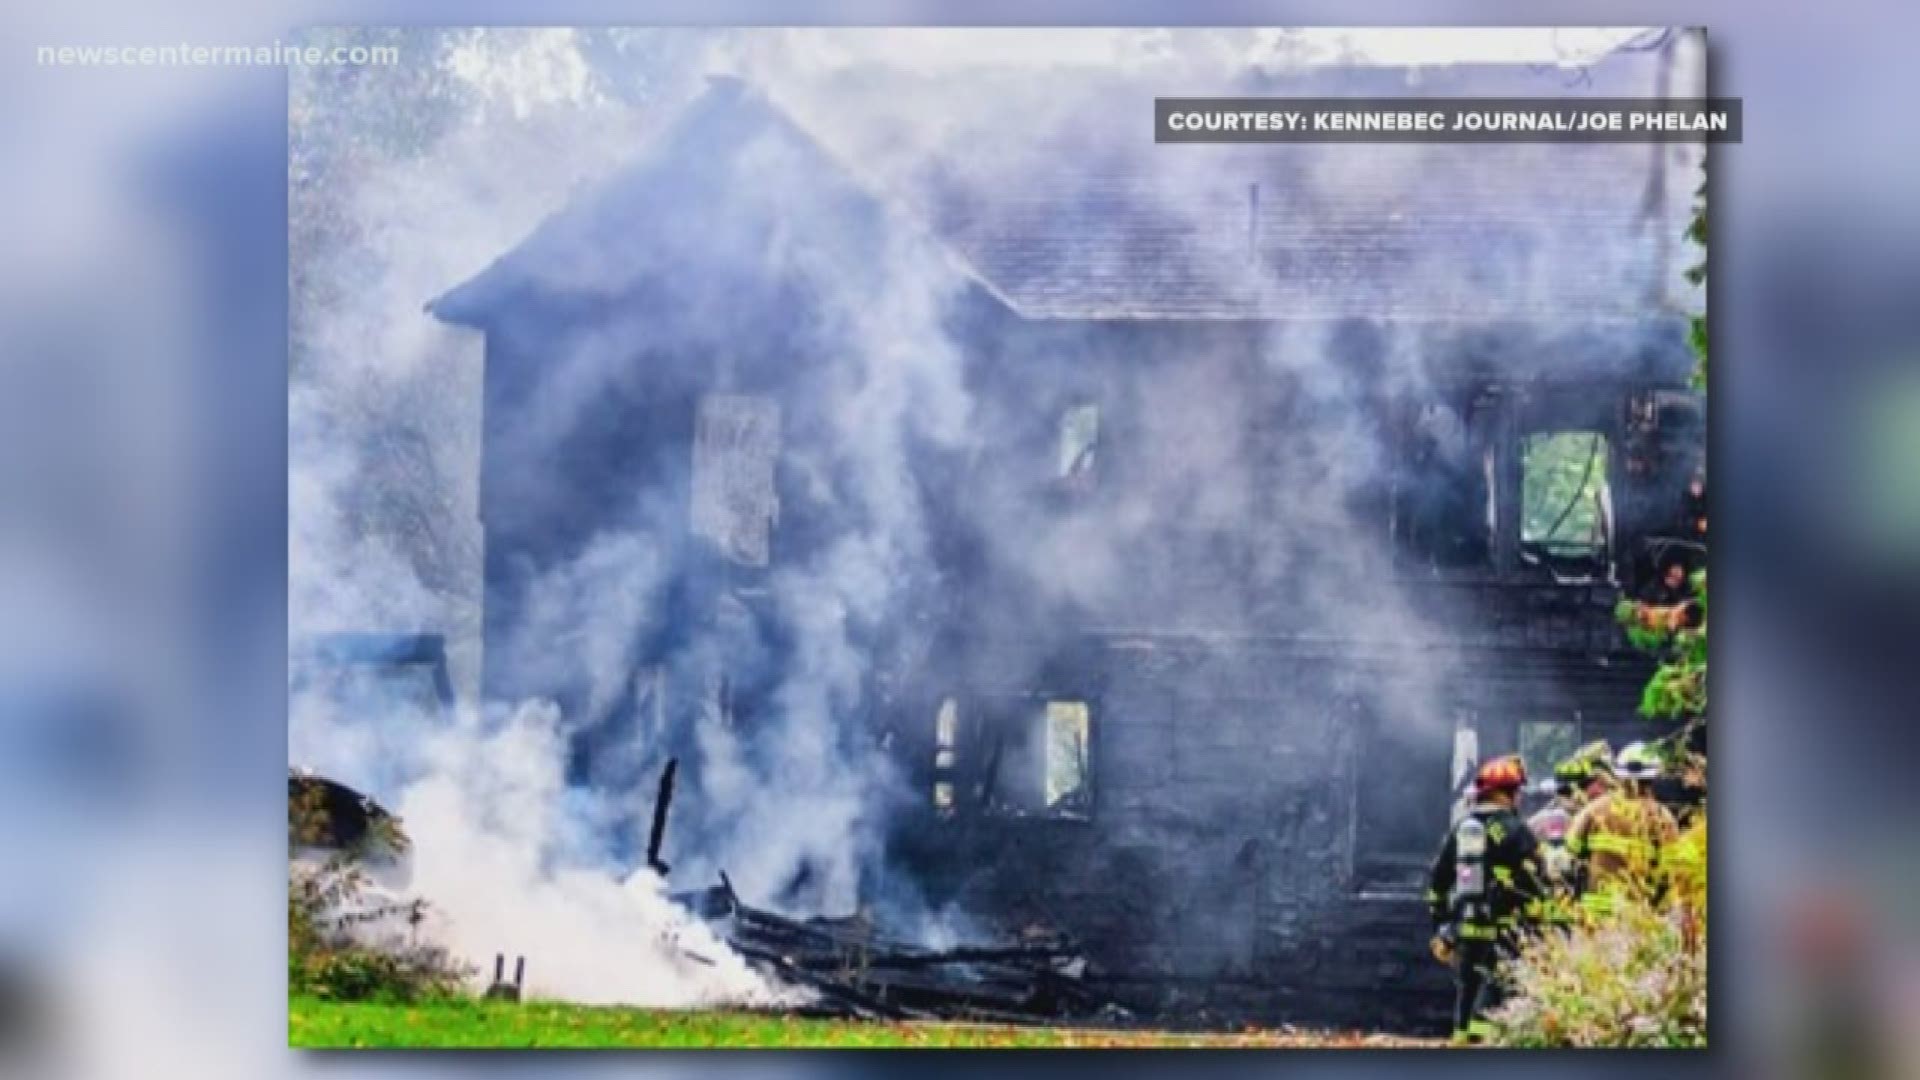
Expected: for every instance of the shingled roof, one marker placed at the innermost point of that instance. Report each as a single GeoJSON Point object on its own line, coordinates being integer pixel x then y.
{"type": "Point", "coordinates": [1081, 216]}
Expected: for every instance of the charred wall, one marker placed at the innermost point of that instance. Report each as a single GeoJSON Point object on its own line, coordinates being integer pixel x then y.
{"type": "Point", "coordinates": [1275, 678]}
{"type": "Point", "coordinates": [1195, 532]}
{"type": "Point", "coordinates": [1258, 829]}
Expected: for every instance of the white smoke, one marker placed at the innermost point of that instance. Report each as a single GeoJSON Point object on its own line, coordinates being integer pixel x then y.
{"type": "Point", "coordinates": [500, 855]}
{"type": "Point", "coordinates": [384, 440]}
{"type": "Point", "coordinates": [384, 534]}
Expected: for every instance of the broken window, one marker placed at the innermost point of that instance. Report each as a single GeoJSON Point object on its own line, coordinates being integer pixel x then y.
{"type": "Point", "coordinates": [1020, 755]}
{"type": "Point", "coordinates": [1444, 495]}
{"type": "Point", "coordinates": [736, 441]}
{"type": "Point", "coordinates": [1079, 441]}
{"type": "Point", "coordinates": [1564, 509]}
{"type": "Point", "coordinates": [1546, 743]}
{"type": "Point", "coordinates": [946, 736]}
{"type": "Point", "coordinates": [1069, 724]}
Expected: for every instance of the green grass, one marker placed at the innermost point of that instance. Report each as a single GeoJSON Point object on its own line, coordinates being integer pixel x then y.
{"type": "Point", "coordinates": [316, 1024]}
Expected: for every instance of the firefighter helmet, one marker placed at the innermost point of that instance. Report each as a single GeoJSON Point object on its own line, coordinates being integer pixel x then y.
{"type": "Point", "coordinates": [1575, 772]}
{"type": "Point", "coordinates": [1637, 761]}
{"type": "Point", "coordinates": [1591, 762]}
{"type": "Point", "coordinates": [1507, 773]}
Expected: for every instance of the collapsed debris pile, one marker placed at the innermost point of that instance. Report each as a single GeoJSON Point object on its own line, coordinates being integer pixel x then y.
{"type": "Point", "coordinates": [853, 970]}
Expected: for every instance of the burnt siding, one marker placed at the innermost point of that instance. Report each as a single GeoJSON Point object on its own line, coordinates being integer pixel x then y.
{"type": "Point", "coordinates": [1229, 867]}
{"type": "Point", "coordinates": [1215, 881]}
{"type": "Point", "coordinates": [1223, 873]}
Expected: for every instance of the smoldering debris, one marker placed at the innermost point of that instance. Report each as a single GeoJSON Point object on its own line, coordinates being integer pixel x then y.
{"type": "Point", "coordinates": [490, 872]}
{"type": "Point", "coordinates": [850, 967]}
{"type": "Point", "coordinates": [771, 481]}
{"type": "Point", "coordinates": [853, 968]}
{"type": "Point", "coordinates": [817, 966]}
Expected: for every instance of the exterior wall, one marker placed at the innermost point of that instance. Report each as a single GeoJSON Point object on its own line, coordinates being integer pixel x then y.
{"type": "Point", "coordinates": [1273, 713]}
{"type": "Point", "coordinates": [1224, 873]}
{"type": "Point", "coordinates": [1256, 714]}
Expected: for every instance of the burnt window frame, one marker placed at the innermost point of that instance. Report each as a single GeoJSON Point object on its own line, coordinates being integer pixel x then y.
{"type": "Point", "coordinates": [1485, 424]}
{"type": "Point", "coordinates": [1070, 477]}
{"type": "Point", "coordinates": [1599, 409]}
{"type": "Point", "coordinates": [1544, 770]}
{"type": "Point", "coordinates": [1512, 416]}
{"type": "Point", "coordinates": [1050, 806]}
{"type": "Point", "coordinates": [1599, 556]}
{"type": "Point", "coordinates": [946, 771]}
{"type": "Point", "coordinates": [977, 768]}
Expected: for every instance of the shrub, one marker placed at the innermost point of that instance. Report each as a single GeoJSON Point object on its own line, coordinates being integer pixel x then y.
{"type": "Point", "coordinates": [1636, 977]}
{"type": "Point", "coordinates": [344, 945]}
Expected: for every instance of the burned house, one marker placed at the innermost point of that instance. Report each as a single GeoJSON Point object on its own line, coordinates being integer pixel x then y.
{"type": "Point", "coordinates": [1179, 521]}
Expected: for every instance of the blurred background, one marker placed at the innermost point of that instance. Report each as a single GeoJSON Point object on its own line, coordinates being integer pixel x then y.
{"type": "Point", "coordinates": [143, 538]}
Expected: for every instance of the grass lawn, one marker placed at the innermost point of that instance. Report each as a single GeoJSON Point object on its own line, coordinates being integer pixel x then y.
{"type": "Point", "coordinates": [315, 1024]}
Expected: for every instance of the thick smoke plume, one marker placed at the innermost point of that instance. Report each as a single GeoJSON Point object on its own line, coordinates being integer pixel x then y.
{"type": "Point", "coordinates": [528, 816]}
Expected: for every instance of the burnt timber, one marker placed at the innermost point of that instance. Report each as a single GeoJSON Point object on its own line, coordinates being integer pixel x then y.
{"type": "Point", "coordinates": [852, 969]}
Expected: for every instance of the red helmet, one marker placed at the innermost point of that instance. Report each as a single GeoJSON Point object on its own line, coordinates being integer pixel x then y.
{"type": "Point", "coordinates": [1507, 773]}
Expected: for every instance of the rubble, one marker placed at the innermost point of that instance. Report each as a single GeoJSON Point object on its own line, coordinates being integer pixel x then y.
{"type": "Point", "coordinates": [855, 971]}
{"type": "Point", "coordinates": [852, 970]}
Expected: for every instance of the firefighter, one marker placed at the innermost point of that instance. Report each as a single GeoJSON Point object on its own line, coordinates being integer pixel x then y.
{"type": "Point", "coordinates": [1582, 777]}
{"type": "Point", "coordinates": [1567, 793]}
{"type": "Point", "coordinates": [1483, 885]}
{"type": "Point", "coordinates": [1622, 839]}
{"type": "Point", "coordinates": [1578, 779]}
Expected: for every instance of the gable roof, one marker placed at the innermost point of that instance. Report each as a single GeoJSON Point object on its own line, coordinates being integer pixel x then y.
{"type": "Point", "coordinates": [1079, 215]}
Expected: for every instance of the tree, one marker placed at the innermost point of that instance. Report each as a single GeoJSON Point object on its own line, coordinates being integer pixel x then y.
{"type": "Point", "coordinates": [1637, 977]}
{"type": "Point", "coordinates": [1678, 632]}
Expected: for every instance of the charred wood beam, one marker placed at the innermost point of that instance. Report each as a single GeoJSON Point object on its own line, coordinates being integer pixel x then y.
{"type": "Point", "coordinates": [852, 971]}
{"type": "Point", "coordinates": [1017, 955]}
{"type": "Point", "coordinates": [661, 801]}
{"type": "Point", "coordinates": [835, 991]}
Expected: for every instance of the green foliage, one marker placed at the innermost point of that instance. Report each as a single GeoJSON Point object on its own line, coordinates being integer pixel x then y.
{"type": "Point", "coordinates": [1563, 476]}
{"type": "Point", "coordinates": [367, 974]}
{"type": "Point", "coordinates": [1674, 691]}
{"type": "Point", "coordinates": [469, 1024]}
{"type": "Point", "coordinates": [1632, 618]}
{"type": "Point", "coordinates": [1697, 338]}
{"type": "Point", "coordinates": [1678, 634]}
{"type": "Point", "coordinates": [333, 954]}
{"type": "Point", "coordinates": [335, 950]}
{"type": "Point", "coordinates": [1636, 979]}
